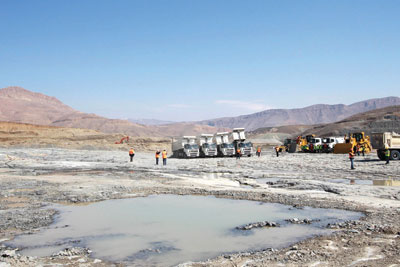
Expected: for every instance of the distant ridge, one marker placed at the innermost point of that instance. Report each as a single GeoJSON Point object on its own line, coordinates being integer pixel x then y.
{"type": "Point", "coordinates": [20, 105]}
{"type": "Point", "coordinates": [314, 114]}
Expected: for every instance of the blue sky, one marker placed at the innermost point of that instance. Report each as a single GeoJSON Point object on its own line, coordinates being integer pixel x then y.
{"type": "Point", "coordinates": [191, 60]}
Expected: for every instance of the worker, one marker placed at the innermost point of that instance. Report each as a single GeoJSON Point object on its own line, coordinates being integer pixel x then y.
{"type": "Point", "coordinates": [157, 156]}
{"type": "Point", "coordinates": [238, 153]}
{"type": "Point", "coordinates": [258, 151]}
{"type": "Point", "coordinates": [164, 157]}
{"type": "Point", "coordinates": [358, 150]}
{"type": "Point", "coordinates": [277, 151]}
{"type": "Point", "coordinates": [363, 150]}
{"type": "Point", "coordinates": [131, 153]}
{"type": "Point", "coordinates": [351, 157]}
{"type": "Point", "coordinates": [387, 154]}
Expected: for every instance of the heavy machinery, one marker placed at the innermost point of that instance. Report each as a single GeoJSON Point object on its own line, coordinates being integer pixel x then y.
{"type": "Point", "coordinates": [126, 138]}
{"type": "Point", "coordinates": [351, 141]}
{"type": "Point", "coordinates": [300, 144]}
{"type": "Point", "coordinates": [185, 147]}
{"type": "Point", "coordinates": [224, 147]}
{"type": "Point", "coordinates": [391, 141]}
{"type": "Point", "coordinates": [207, 147]}
{"type": "Point", "coordinates": [286, 145]}
{"type": "Point", "coordinates": [328, 143]}
{"type": "Point", "coordinates": [238, 138]}
{"type": "Point", "coordinates": [315, 145]}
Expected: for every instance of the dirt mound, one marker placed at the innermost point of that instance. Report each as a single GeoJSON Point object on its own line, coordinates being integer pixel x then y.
{"type": "Point", "coordinates": [34, 136]}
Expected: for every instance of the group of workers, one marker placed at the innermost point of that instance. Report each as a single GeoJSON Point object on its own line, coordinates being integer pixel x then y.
{"type": "Point", "coordinates": [158, 153]}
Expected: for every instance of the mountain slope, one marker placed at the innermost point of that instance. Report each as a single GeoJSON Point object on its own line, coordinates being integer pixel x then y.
{"type": "Point", "coordinates": [20, 105]}
{"type": "Point", "coordinates": [309, 115]}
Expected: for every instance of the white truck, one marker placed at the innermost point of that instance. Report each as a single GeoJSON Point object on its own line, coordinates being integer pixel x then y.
{"type": "Point", "coordinates": [328, 143]}
{"type": "Point", "coordinates": [239, 140]}
{"type": "Point", "coordinates": [391, 141]}
{"type": "Point", "coordinates": [207, 147]}
{"type": "Point", "coordinates": [225, 148]}
{"type": "Point", "coordinates": [185, 147]}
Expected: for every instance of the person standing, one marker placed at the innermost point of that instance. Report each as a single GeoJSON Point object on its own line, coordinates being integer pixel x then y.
{"type": "Point", "coordinates": [363, 150]}
{"type": "Point", "coordinates": [277, 151]}
{"type": "Point", "coordinates": [164, 157]}
{"type": "Point", "coordinates": [387, 155]}
{"type": "Point", "coordinates": [238, 154]}
{"type": "Point", "coordinates": [351, 157]}
{"type": "Point", "coordinates": [131, 153]}
{"type": "Point", "coordinates": [258, 151]}
{"type": "Point", "coordinates": [157, 156]}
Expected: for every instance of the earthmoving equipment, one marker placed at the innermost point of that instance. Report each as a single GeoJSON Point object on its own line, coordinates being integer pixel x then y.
{"type": "Point", "coordinates": [351, 141]}
{"type": "Point", "coordinates": [286, 145]}
{"type": "Point", "coordinates": [122, 140]}
{"type": "Point", "coordinates": [185, 147]}
{"type": "Point", "coordinates": [301, 143]}
{"type": "Point", "coordinates": [328, 143]}
{"type": "Point", "coordinates": [224, 147]}
{"type": "Point", "coordinates": [207, 147]}
{"type": "Point", "coordinates": [391, 141]}
{"type": "Point", "coordinates": [238, 138]}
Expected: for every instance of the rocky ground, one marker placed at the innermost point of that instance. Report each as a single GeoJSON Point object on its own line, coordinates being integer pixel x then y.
{"type": "Point", "coordinates": [31, 178]}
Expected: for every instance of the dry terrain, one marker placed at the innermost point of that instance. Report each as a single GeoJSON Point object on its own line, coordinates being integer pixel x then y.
{"type": "Point", "coordinates": [29, 178]}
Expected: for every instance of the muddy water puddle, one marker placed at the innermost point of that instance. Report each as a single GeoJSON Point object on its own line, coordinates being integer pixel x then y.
{"type": "Point", "coordinates": [165, 230]}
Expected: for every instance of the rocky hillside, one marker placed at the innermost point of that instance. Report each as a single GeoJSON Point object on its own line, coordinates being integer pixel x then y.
{"type": "Point", "coordinates": [379, 120]}
{"type": "Point", "coordinates": [315, 114]}
{"type": "Point", "coordinates": [20, 105]}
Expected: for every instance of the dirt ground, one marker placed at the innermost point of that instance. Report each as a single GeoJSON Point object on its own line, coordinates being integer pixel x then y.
{"type": "Point", "coordinates": [30, 178]}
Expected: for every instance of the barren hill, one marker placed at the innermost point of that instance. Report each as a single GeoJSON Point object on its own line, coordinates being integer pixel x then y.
{"type": "Point", "coordinates": [20, 105]}
{"type": "Point", "coordinates": [379, 120]}
{"type": "Point", "coordinates": [308, 116]}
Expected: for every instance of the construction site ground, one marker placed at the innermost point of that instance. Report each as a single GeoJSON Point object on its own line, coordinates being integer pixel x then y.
{"type": "Point", "coordinates": [30, 178]}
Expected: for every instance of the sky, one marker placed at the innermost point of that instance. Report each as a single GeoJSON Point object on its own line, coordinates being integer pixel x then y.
{"type": "Point", "coordinates": [184, 60]}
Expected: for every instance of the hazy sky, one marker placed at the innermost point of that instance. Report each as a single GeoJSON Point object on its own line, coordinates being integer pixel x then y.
{"type": "Point", "coordinates": [191, 60]}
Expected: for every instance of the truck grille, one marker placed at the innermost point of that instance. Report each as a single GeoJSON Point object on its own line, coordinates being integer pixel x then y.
{"type": "Point", "coordinates": [212, 152]}
{"type": "Point", "coordinates": [193, 154]}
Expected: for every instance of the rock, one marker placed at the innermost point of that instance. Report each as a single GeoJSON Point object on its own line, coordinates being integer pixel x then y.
{"type": "Point", "coordinates": [8, 254]}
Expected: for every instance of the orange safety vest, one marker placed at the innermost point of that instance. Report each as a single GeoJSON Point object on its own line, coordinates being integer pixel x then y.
{"type": "Point", "coordinates": [259, 149]}
{"type": "Point", "coordinates": [131, 152]}
{"type": "Point", "coordinates": [238, 150]}
{"type": "Point", "coordinates": [164, 154]}
{"type": "Point", "coordinates": [157, 155]}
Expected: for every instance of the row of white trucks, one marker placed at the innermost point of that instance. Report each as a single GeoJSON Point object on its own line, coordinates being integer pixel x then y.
{"type": "Point", "coordinates": [224, 144]}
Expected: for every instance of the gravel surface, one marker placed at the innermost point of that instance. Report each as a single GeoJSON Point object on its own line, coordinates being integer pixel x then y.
{"type": "Point", "coordinates": [30, 179]}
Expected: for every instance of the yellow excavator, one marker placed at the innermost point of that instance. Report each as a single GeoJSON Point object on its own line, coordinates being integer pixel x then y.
{"type": "Point", "coordinates": [299, 144]}
{"type": "Point", "coordinates": [352, 141]}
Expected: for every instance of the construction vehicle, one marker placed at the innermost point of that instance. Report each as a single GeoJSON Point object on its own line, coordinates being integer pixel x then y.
{"type": "Point", "coordinates": [224, 147]}
{"type": "Point", "coordinates": [238, 138]}
{"type": "Point", "coordinates": [351, 142]}
{"type": "Point", "coordinates": [328, 143]}
{"type": "Point", "coordinates": [185, 147]}
{"type": "Point", "coordinates": [286, 145]}
{"type": "Point", "coordinates": [207, 147]}
{"type": "Point", "coordinates": [315, 145]}
{"type": "Point", "coordinates": [300, 144]}
{"type": "Point", "coordinates": [122, 140]}
{"type": "Point", "coordinates": [387, 140]}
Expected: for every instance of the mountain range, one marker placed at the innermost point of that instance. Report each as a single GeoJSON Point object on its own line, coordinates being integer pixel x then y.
{"type": "Point", "coordinates": [314, 114]}
{"type": "Point", "coordinates": [20, 105]}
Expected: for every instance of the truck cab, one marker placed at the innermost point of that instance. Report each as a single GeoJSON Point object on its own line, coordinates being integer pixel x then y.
{"type": "Point", "coordinates": [239, 140]}
{"type": "Point", "coordinates": [224, 147]}
{"type": "Point", "coordinates": [315, 144]}
{"type": "Point", "coordinates": [207, 147]}
{"type": "Point", "coordinates": [185, 147]}
{"type": "Point", "coordinates": [328, 143]}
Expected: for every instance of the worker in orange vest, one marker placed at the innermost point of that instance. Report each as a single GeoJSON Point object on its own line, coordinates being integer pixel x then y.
{"type": "Point", "coordinates": [351, 157]}
{"type": "Point", "coordinates": [164, 157]}
{"type": "Point", "coordinates": [131, 153]}
{"type": "Point", "coordinates": [258, 151]}
{"type": "Point", "coordinates": [238, 153]}
{"type": "Point", "coordinates": [157, 156]}
{"type": "Point", "coordinates": [277, 151]}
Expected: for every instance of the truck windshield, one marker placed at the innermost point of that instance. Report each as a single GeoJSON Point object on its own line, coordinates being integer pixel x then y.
{"type": "Point", "coordinates": [327, 140]}
{"type": "Point", "coordinates": [207, 145]}
{"type": "Point", "coordinates": [191, 146]}
{"type": "Point", "coordinates": [227, 145]}
{"type": "Point", "coordinates": [249, 144]}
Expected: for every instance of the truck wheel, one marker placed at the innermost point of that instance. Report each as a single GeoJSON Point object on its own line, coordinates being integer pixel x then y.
{"type": "Point", "coordinates": [395, 155]}
{"type": "Point", "coordinates": [381, 155]}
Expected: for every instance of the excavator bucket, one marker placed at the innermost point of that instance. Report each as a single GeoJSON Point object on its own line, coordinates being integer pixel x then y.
{"type": "Point", "coordinates": [343, 148]}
